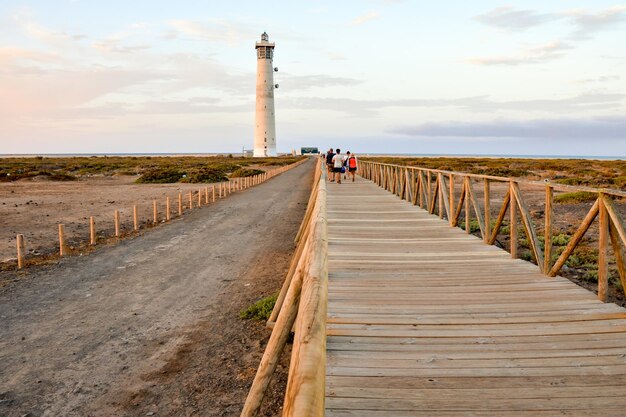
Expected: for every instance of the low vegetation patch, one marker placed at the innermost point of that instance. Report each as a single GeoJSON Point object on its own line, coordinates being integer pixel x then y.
{"type": "Point", "coordinates": [245, 172]}
{"type": "Point", "coordinates": [575, 197]}
{"type": "Point", "coordinates": [160, 176]}
{"type": "Point", "coordinates": [260, 310]}
{"type": "Point", "coordinates": [151, 169]}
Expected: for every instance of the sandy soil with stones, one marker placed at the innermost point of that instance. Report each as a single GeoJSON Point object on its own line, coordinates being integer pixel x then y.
{"type": "Point", "coordinates": [35, 207]}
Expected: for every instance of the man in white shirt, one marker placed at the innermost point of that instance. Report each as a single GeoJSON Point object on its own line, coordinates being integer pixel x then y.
{"type": "Point", "coordinates": [337, 164]}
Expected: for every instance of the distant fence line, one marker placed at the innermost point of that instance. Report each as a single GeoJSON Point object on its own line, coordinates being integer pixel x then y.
{"type": "Point", "coordinates": [193, 199]}
{"type": "Point", "coordinates": [434, 190]}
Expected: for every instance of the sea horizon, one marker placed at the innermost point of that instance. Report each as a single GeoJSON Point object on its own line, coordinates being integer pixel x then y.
{"type": "Point", "coordinates": [374, 154]}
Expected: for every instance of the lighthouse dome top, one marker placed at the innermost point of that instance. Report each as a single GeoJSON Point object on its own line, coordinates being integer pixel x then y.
{"type": "Point", "coordinates": [265, 41]}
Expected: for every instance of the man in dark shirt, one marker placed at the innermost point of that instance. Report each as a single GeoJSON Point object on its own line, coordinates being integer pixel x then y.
{"type": "Point", "coordinates": [329, 164]}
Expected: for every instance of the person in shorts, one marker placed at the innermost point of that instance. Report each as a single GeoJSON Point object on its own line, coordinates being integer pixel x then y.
{"type": "Point", "coordinates": [337, 165]}
{"type": "Point", "coordinates": [329, 164]}
{"type": "Point", "coordinates": [351, 164]}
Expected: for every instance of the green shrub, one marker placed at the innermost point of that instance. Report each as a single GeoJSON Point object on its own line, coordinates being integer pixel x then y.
{"type": "Point", "coordinates": [160, 176]}
{"type": "Point", "coordinates": [205, 174]}
{"type": "Point", "coordinates": [571, 181]}
{"type": "Point", "coordinates": [245, 172]}
{"type": "Point", "coordinates": [583, 257]}
{"type": "Point", "coordinates": [474, 225]}
{"type": "Point", "coordinates": [561, 239]}
{"type": "Point", "coordinates": [260, 310]}
{"type": "Point", "coordinates": [575, 197]}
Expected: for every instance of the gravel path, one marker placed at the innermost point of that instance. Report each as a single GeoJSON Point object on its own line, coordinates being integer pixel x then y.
{"type": "Point", "coordinates": [76, 332]}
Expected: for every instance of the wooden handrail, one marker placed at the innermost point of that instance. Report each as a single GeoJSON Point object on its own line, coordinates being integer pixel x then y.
{"type": "Point", "coordinates": [556, 186]}
{"type": "Point", "coordinates": [303, 302]}
{"type": "Point", "coordinates": [410, 183]}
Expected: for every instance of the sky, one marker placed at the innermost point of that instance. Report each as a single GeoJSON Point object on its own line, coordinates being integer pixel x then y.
{"type": "Point", "coordinates": [371, 76]}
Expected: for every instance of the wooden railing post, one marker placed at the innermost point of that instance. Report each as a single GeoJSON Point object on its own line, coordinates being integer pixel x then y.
{"type": "Point", "coordinates": [92, 231]}
{"type": "Point", "coordinates": [513, 222]}
{"type": "Point", "coordinates": [116, 220]}
{"type": "Point", "coordinates": [19, 242]}
{"type": "Point", "coordinates": [180, 203]}
{"type": "Point", "coordinates": [155, 214]}
{"type": "Point", "coordinates": [452, 208]}
{"type": "Point", "coordinates": [468, 228]}
{"type": "Point", "coordinates": [487, 204]}
{"type": "Point", "coordinates": [135, 219]}
{"type": "Point", "coordinates": [428, 190]}
{"type": "Point", "coordinates": [167, 209]}
{"type": "Point", "coordinates": [440, 193]}
{"type": "Point", "coordinates": [547, 234]}
{"type": "Point", "coordinates": [603, 242]}
{"type": "Point", "coordinates": [62, 250]}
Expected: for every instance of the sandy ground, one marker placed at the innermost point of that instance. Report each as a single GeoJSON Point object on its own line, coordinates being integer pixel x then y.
{"type": "Point", "coordinates": [150, 326]}
{"type": "Point", "coordinates": [35, 207]}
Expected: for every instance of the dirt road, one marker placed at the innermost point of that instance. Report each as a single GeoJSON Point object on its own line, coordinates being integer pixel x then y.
{"type": "Point", "coordinates": [150, 326]}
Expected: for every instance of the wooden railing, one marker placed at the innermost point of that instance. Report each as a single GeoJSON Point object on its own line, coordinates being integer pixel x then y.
{"type": "Point", "coordinates": [301, 306]}
{"type": "Point", "coordinates": [435, 190]}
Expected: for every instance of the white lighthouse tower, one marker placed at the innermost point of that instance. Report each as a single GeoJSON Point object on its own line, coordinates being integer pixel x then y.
{"type": "Point", "coordinates": [265, 127]}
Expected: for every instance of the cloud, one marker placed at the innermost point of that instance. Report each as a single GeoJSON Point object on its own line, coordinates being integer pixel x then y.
{"type": "Point", "coordinates": [216, 31]}
{"type": "Point", "coordinates": [569, 129]}
{"type": "Point", "coordinates": [42, 34]}
{"type": "Point", "coordinates": [476, 104]}
{"type": "Point", "coordinates": [584, 21]}
{"type": "Point", "coordinates": [304, 82]}
{"type": "Point", "coordinates": [364, 18]}
{"type": "Point", "coordinates": [509, 18]}
{"type": "Point", "coordinates": [587, 23]}
{"type": "Point", "coordinates": [600, 79]}
{"type": "Point", "coordinates": [114, 45]}
{"type": "Point", "coordinates": [532, 55]}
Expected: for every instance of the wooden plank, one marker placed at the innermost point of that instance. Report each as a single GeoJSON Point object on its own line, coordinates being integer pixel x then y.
{"type": "Point", "coordinates": [453, 395]}
{"type": "Point", "coordinates": [611, 369]}
{"type": "Point", "coordinates": [479, 404]}
{"type": "Point", "coordinates": [465, 413]}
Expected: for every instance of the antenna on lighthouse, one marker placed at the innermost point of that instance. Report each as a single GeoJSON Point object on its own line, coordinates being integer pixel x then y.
{"type": "Point", "coordinates": [265, 123]}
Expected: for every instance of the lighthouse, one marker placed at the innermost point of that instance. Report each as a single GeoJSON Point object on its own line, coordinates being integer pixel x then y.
{"type": "Point", "coordinates": [265, 125]}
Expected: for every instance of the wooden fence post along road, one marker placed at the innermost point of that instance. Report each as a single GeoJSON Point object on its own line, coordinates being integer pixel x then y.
{"type": "Point", "coordinates": [153, 220]}
{"type": "Point", "coordinates": [397, 311]}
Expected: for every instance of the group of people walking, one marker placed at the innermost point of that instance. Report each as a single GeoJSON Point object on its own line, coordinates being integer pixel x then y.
{"type": "Point", "coordinates": [339, 165]}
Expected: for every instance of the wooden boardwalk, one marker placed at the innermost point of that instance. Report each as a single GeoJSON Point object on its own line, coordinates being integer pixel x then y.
{"type": "Point", "coordinates": [424, 320]}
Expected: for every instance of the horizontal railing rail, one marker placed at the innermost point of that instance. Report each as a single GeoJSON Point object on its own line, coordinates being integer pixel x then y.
{"type": "Point", "coordinates": [435, 190]}
{"type": "Point", "coordinates": [300, 306]}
